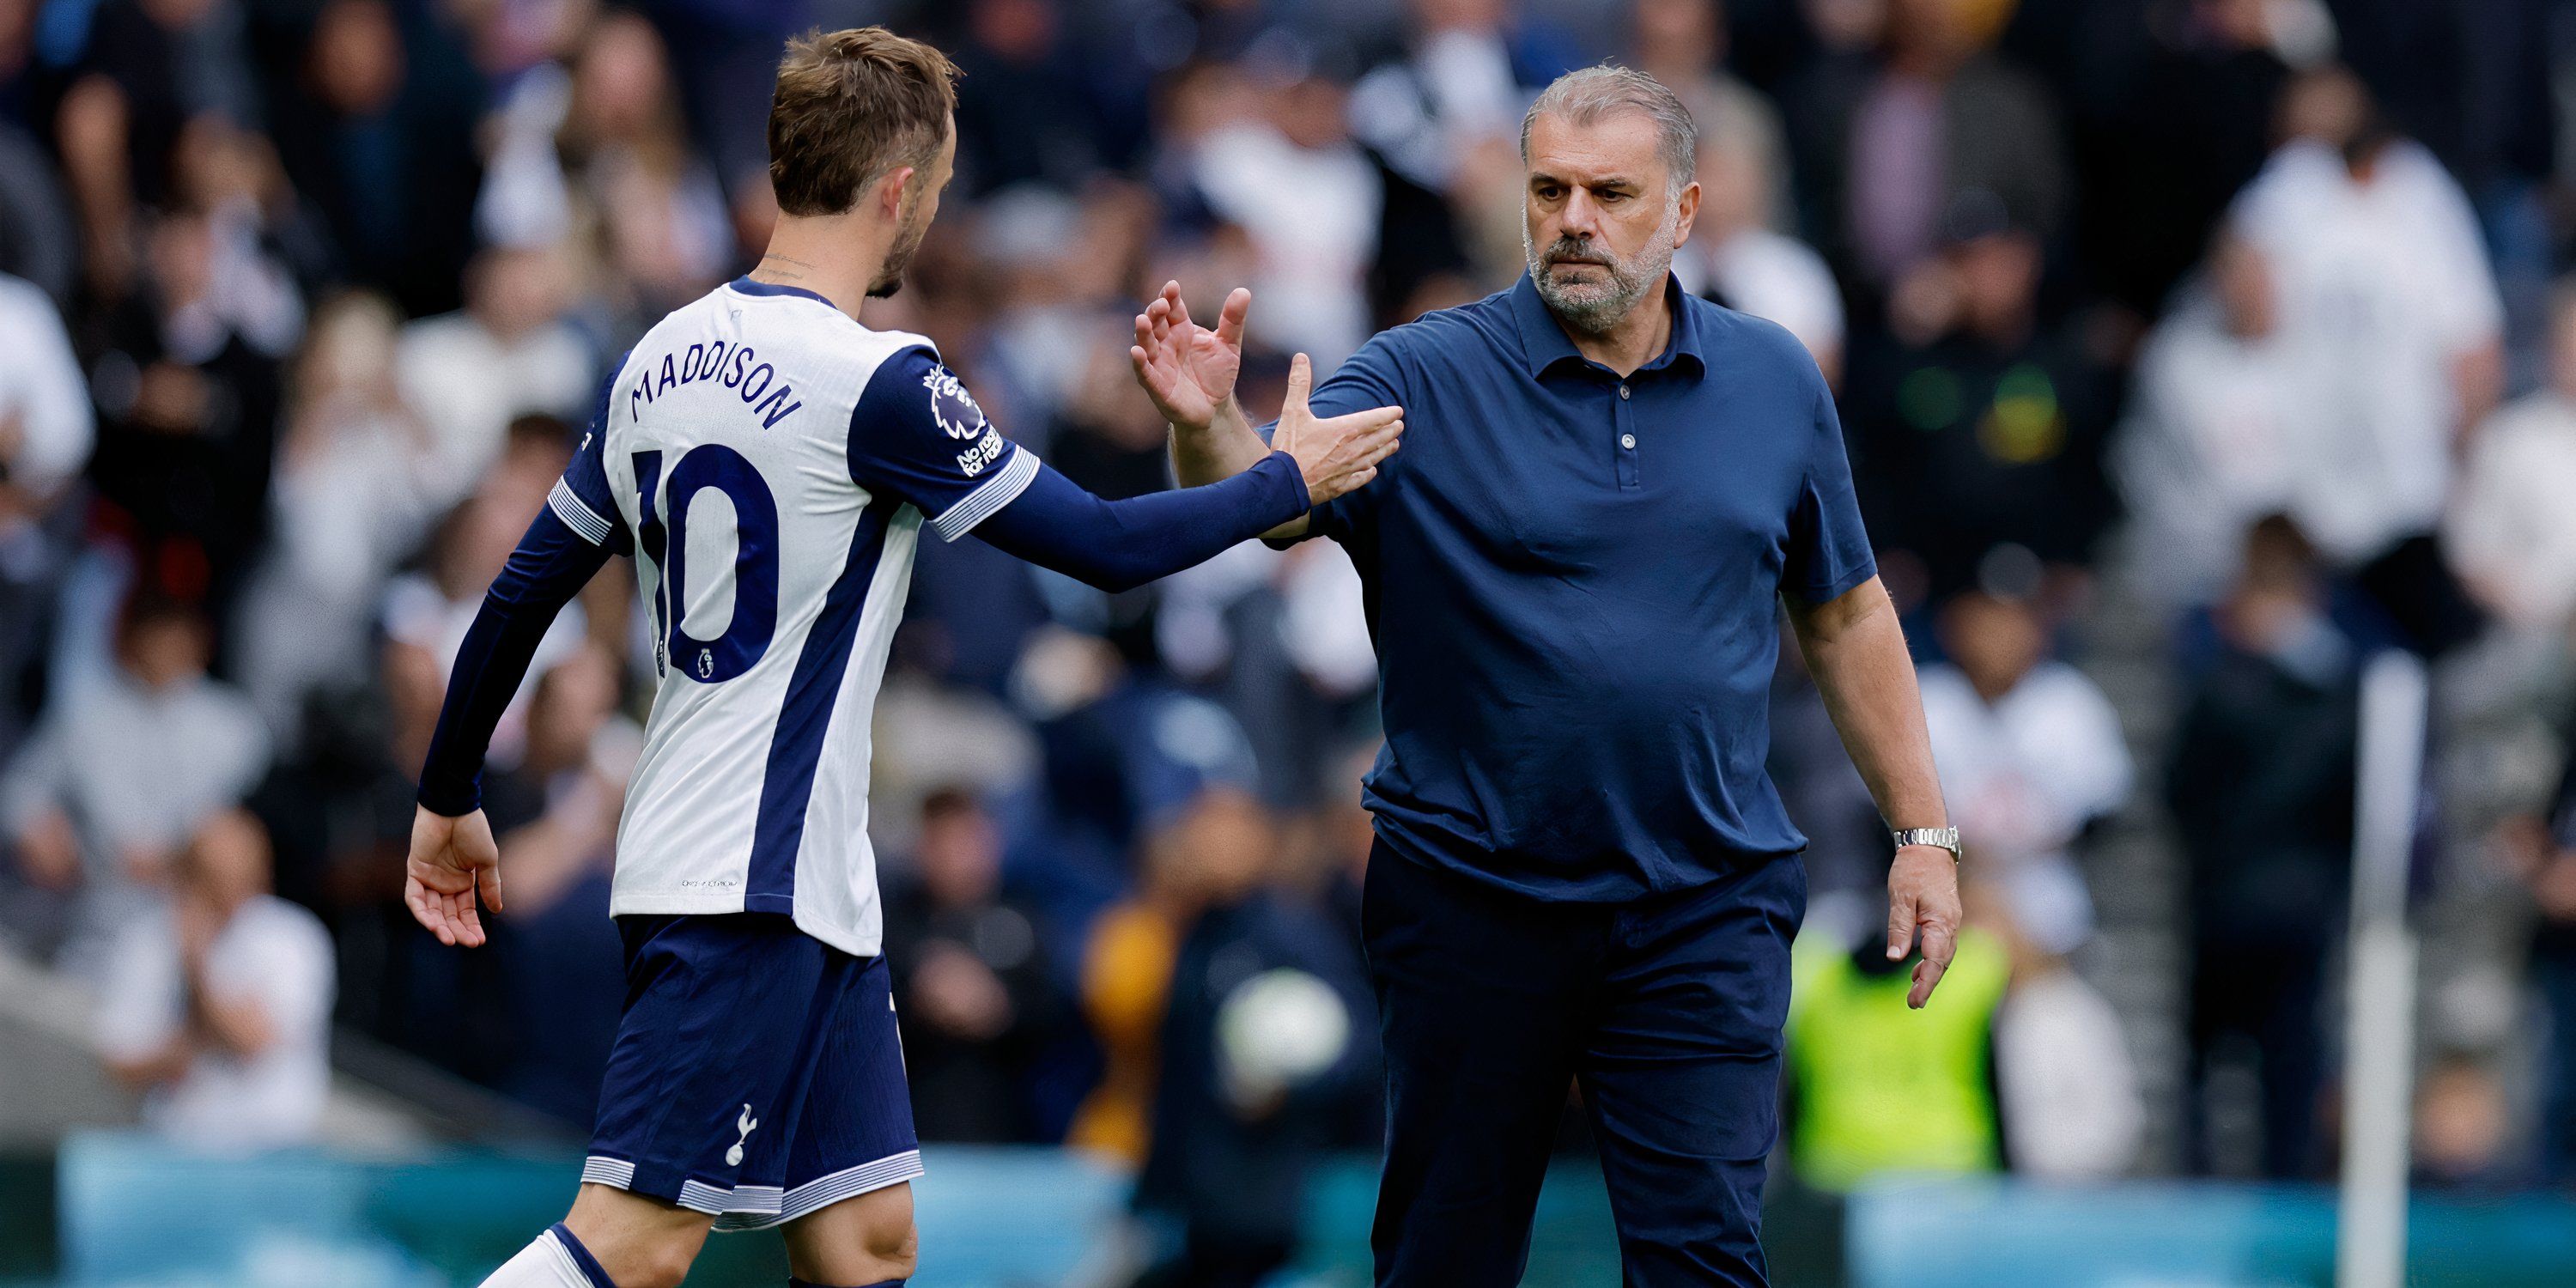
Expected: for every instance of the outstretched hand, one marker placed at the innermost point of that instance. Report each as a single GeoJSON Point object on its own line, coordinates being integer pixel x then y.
{"type": "Point", "coordinates": [1187, 369]}
{"type": "Point", "coordinates": [1338, 455]}
{"type": "Point", "coordinates": [450, 859]}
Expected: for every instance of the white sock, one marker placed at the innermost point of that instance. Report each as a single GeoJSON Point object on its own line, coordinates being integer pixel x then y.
{"type": "Point", "coordinates": [553, 1261]}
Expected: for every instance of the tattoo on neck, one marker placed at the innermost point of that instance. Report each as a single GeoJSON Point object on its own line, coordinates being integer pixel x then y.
{"type": "Point", "coordinates": [767, 261]}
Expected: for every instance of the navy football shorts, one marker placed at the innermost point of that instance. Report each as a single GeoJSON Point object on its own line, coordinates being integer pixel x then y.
{"type": "Point", "coordinates": [757, 1074]}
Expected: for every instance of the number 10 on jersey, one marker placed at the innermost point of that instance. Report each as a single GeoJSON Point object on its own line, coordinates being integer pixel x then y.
{"type": "Point", "coordinates": [753, 573]}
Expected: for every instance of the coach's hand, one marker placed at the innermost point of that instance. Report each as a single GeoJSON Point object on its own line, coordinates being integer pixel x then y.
{"type": "Point", "coordinates": [1338, 455]}
{"type": "Point", "coordinates": [1923, 894]}
{"type": "Point", "coordinates": [450, 857]}
{"type": "Point", "coordinates": [1186, 369]}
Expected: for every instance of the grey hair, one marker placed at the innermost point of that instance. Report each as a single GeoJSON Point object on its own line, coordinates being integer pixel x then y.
{"type": "Point", "coordinates": [1588, 94]}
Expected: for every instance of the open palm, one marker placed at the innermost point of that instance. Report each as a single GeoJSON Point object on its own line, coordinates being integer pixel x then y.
{"type": "Point", "coordinates": [1187, 369]}
{"type": "Point", "coordinates": [451, 859]}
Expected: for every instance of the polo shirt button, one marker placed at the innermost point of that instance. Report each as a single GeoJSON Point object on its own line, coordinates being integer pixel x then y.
{"type": "Point", "coordinates": [1628, 441]}
{"type": "Point", "coordinates": [1623, 393]}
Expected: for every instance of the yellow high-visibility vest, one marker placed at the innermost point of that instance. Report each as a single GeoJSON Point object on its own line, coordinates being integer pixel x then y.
{"type": "Point", "coordinates": [1882, 1088]}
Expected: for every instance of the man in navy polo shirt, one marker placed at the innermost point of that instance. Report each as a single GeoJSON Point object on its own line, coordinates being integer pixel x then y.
{"type": "Point", "coordinates": [1582, 870]}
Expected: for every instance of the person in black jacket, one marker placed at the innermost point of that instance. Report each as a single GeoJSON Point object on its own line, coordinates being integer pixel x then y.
{"type": "Point", "coordinates": [972, 988]}
{"type": "Point", "coordinates": [2261, 785]}
{"type": "Point", "coordinates": [1258, 1049]}
{"type": "Point", "coordinates": [2546, 844]}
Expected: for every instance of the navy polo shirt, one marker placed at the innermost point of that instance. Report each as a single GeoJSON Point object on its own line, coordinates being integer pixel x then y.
{"type": "Point", "coordinates": [1570, 580]}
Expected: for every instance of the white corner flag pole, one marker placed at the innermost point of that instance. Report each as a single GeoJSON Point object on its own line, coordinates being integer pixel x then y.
{"type": "Point", "coordinates": [2379, 1010]}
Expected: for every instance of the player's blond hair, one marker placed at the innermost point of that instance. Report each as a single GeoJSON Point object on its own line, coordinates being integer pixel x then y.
{"type": "Point", "coordinates": [852, 106]}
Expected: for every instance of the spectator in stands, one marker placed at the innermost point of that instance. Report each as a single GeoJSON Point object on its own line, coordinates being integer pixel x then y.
{"type": "Point", "coordinates": [39, 240]}
{"type": "Point", "coordinates": [1035, 120]}
{"type": "Point", "coordinates": [1052, 261]}
{"type": "Point", "coordinates": [2174, 137]}
{"type": "Point", "coordinates": [508, 353]}
{"type": "Point", "coordinates": [1975, 423]}
{"type": "Point", "coordinates": [376, 126]}
{"type": "Point", "coordinates": [1105, 438]}
{"type": "Point", "coordinates": [1938, 118]}
{"type": "Point", "coordinates": [1343, 833]}
{"type": "Point", "coordinates": [1735, 257]}
{"type": "Point", "coordinates": [46, 431]}
{"type": "Point", "coordinates": [562, 975]}
{"type": "Point", "coordinates": [974, 980]}
{"type": "Point", "coordinates": [144, 72]}
{"type": "Point", "coordinates": [339, 814]}
{"type": "Point", "coordinates": [106, 792]}
{"type": "Point", "coordinates": [2260, 779]}
{"type": "Point", "coordinates": [2213, 426]}
{"type": "Point", "coordinates": [186, 374]}
{"type": "Point", "coordinates": [1874, 1087]}
{"type": "Point", "coordinates": [660, 217]}
{"type": "Point", "coordinates": [218, 1006]}
{"type": "Point", "coordinates": [352, 500]}
{"type": "Point", "coordinates": [2391, 322]}
{"type": "Point", "coordinates": [1445, 120]}
{"type": "Point", "coordinates": [2544, 850]}
{"type": "Point", "coordinates": [2030, 752]}
{"type": "Point", "coordinates": [1683, 43]}
{"type": "Point", "coordinates": [1125, 986]}
{"type": "Point", "coordinates": [1124, 771]}
{"type": "Point", "coordinates": [1256, 1048]}
{"type": "Point", "coordinates": [1308, 199]}
{"type": "Point", "coordinates": [2510, 531]}
{"type": "Point", "coordinates": [2066, 1086]}
{"type": "Point", "coordinates": [2462, 1124]}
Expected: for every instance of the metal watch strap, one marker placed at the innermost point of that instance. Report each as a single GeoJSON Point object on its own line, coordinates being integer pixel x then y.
{"type": "Point", "coordinates": [1946, 838]}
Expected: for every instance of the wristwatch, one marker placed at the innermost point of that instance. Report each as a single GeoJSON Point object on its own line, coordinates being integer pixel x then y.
{"type": "Point", "coordinates": [1946, 838]}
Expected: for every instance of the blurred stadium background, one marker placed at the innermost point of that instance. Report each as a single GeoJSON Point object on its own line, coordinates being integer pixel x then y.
{"type": "Point", "coordinates": [2191, 352]}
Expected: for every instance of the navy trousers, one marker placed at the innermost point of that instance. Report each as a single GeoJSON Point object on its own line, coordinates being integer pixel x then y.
{"type": "Point", "coordinates": [1666, 1012]}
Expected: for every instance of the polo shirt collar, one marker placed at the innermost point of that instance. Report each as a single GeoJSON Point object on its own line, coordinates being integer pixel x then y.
{"type": "Point", "coordinates": [1545, 344]}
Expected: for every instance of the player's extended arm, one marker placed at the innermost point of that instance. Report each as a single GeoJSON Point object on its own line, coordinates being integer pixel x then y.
{"type": "Point", "coordinates": [1119, 545]}
{"type": "Point", "coordinates": [1856, 650]}
{"type": "Point", "coordinates": [452, 850]}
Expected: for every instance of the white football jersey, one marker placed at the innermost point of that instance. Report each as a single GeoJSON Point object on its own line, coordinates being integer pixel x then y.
{"type": "Point", "coordinates": [770, 464]}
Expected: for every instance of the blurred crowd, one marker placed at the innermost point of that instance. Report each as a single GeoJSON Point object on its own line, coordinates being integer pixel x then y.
{"type": "Point", "coordinates": [2189, 352]}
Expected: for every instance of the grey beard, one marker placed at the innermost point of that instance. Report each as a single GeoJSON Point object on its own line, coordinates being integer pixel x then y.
{"type": "Point", "coordinates": [1594, 310]}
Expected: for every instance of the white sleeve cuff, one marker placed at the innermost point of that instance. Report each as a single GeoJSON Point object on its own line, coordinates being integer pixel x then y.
{"type": "Point", "coordinates": [586, 523]}
{"type": "Point", "coordinates": [996, 492]}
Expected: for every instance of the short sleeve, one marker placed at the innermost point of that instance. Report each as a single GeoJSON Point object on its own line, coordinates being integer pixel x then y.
{"type": "Point", "coordinates": [288, 967]}
{"type": "Point", "coordinates": [1828, 550]}
{"type": "Point", "coordinates": [917, 434]}
{"type": "Point", "coordinates": [2465, 308]}
{"type": "Point", "coordinates": [582, 498]}
{"type": "Point", "coordinates": [1369, 379]}
{"type": "Point", "coordinates": [138, 1010]}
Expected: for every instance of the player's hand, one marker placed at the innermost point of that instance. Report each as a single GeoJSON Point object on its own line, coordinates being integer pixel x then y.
{"type": "Point", "coordinates": [450, 858]}
{"type": "Point", "coordinates": [1338, 455]}
{"type": "Point", "coordinates": [1923, 895]}
{"type": "Point", "coordinates": [1187, 369]}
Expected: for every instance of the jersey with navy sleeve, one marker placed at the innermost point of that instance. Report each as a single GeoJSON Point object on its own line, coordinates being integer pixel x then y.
{"type": "Point", "coordinates": [770, 463]}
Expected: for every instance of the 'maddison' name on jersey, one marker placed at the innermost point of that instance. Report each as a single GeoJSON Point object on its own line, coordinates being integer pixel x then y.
{"type": "Point", "coordinates": [736, 367]}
